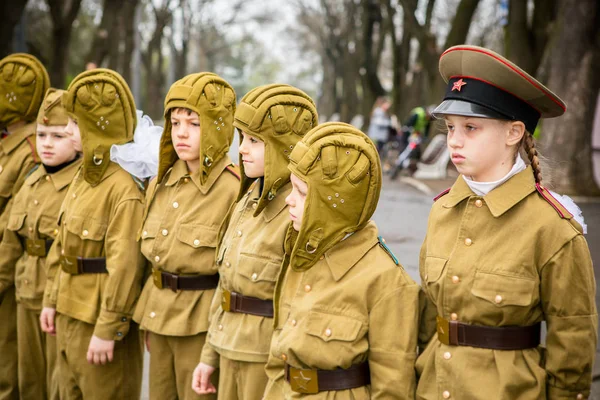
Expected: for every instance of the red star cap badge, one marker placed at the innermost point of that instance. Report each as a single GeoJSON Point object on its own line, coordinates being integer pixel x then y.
{"type": "Point", "coordinates": [458, 85]}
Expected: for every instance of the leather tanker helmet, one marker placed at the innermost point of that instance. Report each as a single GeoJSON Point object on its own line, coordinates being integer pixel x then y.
{"type": "Point", "coordinates": [23, 84]}
{"type": "Point", "coordinates": [342, 170]}
{"type": "Point", "coordinates": [103, 106]}
{"type": "Point", "coordinates": [52, 112]}
{"type": "Point", "coordinates": [279, 115]}
{"type": "Point", "coordinates": [213, 99]}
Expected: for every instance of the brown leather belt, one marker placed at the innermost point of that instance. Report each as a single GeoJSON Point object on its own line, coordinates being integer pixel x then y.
{"type": "Point", "coordinates": [78, 265]}
{"type": "Point", "coordinates": [320, 380]}
{"type": "Point", "coordinates": [456, 333]}
{"type": "Point", "coordinates": [164, 280]}
{"type": "Point", "coordinates": [238, 303]}
{"type": "Point", "coordinates": [38, 247]}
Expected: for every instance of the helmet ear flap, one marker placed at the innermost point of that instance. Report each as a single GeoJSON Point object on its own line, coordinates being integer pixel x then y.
{"type": "Point", "coordinates": [360, 169]}
{"type": "Point", "coordinates": [329, 161]}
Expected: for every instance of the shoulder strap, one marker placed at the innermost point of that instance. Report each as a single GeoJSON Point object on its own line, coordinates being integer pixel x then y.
{"type": "Point", "coordinates": [235, 170]}
{"type": "Point", "coordinates": [546, 195]}
{"type": "Point", "coordinates": [445, 192]}
{"type": "Point", "coordinates": [387, 250]}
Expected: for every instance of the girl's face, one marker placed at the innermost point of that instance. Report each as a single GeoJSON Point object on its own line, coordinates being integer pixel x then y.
{"type": "Point", "coordinates": [253, 156]}
{"type": "Point", "coordinates": [72, 130]}
{"type": "Point", "coordinates": [483, 149]}
{"type": "Point", "coordinates": [54, 145]}
{"type": "Point", "coordinates": [185, 134]}
{"type": "Point", "coordinates": [296, 200]}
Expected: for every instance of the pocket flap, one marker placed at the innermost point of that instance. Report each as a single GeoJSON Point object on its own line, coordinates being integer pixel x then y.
{"type": "Point", "coordinates": [16, 221]}
{"type": "Point", "coordinates": [150, 229]}
{"type": "Point", "coordinates": [198, 235]}
{"type": "Point", "coordinates": [257, 268]}
{"type": "Point", "coordinates": [433, 268]}
{"type": "Point", "coordinates": [86, 228]}
{"type": "Point", "coordinates": [503, 290]}
{"type": "Point", "coordinates": [332, 327]}
{"type": "Point", "coordinates": [48, 225]}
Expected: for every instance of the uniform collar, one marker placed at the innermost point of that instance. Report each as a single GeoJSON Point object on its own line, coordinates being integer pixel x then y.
{"type": "Point", "coordinates": [499, 200]}
{"type": "Point", "coordinates": [180, 170]}
{"type": "Point", "coordinates": [275, 206]}
{"type": "Point", "coordinates": [345, 254]}
{"type": "Point", "coordinates": [14, 139]}
{"type": "Point", "coordinates": [64, 177]}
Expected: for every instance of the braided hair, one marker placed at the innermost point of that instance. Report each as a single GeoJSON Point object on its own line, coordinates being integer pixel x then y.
{"type": "Point", "coordinates": [532, 154]}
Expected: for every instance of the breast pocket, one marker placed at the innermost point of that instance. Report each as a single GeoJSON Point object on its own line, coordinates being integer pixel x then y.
{"type": "Point", "coordinates": [256, 276]}
{"type": "Point", "coordinates": [16, 221]}
{"type": "Point", "coordinates": [85, 237]}
{"type": "Point", "coordinates": [147, 236]}
{"type": "Point", "coordinates": [48, 226]}
{"type": "Point", "coordinates": [195, 248]}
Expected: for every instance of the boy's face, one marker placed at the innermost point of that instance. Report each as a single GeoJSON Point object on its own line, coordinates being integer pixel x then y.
{"type": "Point", "coordinates": [72, 130]}
{"type": "Point", "coordinates": [185, 134]}
{"type": "Point", "coordinates": [253, 156]}
{"type": "Point", "coordinates": [54, 145]}
{"type": "Point", "coordinates": [296, 201]}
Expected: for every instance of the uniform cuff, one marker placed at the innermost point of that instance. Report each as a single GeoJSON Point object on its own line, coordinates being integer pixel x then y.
{"type": "Point", "coordinates": [555, 393]}
{"type": "Point", "coordinates": [112, 325]}
{"type": "Point", "coordinates": [210, 356]}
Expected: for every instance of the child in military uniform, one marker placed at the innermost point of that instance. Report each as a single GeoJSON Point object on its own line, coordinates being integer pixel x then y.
{"type": "Point", "coordinates": [23, 83]}
{"type": "Point", "coordinates": [502, 254]}
{"type": "Point", "coordinates": [195, 187]}
{"type": "Point", "coordinates": [346, 312]}
{"type": "Point", "coordinates": [29, 234]}
{"type": "Point", "coordinates": [271, 119]}
{"type": "Point", "coordinates": [95, 259]}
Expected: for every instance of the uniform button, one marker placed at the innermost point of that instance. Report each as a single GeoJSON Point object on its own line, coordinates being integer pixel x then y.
{"type": "Point", "coordinates": [254, 276]}
{"type": "Point", "coordinates": [220, 327]}
{"type": "Point", "coordinates": [124, 319]}
{"type": "Point", "coordinates": [30, 229]}
{"type": "Point", "coordinates": [157, 258]}
{"type": "Point", "coordinates": [307, 288]}
{"type": "Point", "coordinates": [35, 202]}
{"type": "Point", "coordinates": [239, 233]}
{"type": "Point", "coordinates": [165, 232]}
{"type": "Point", "coordinates": [327, 332]}
{"type": "Point", "coordinates": [446, 394]}
{"type": "Point", "coordinates": [454, 316]}
{"type": "Point", "coordinates": [254, 206]}
{"type": "Point", "coordinates": [196, 242]}
{"type": "Point", "coordinates": [74, 195]}
{"type": "Point", "coordinates": [284, 357]}
{"type": "Point", "coordinates": [186, 180]}
{"type": "Point", "coordinates": [175, 205]}
{"type": "Point", "coordinates": [498, 299]}
{"type": "Point", "coordinates": [145, 233]}
{"type": "Point", "coordinates": [447, 355]}
{"type": "Point", "coordinates": [47, 177]}
{"type": "Point", "coordinates": [579, 396]}
{"type": "Point", "coordinates": [468, 242]}
{"type": "Point", "coordinates": [85, 232]}
{"type": "Point", "coordinates": [152, 314]}
{"type": "Point", "coordinates": [322, 257]}
{"type": "Point", "coordinates": [294, 322]}
{"type": "Point", "coordinates": [62, 252]}
{"type": "Point", "coordinates": [119, 334]}
{"type": "Point", "coordinates": [227, 264]}
{"type": "Point", "coordinates": [455, 279]}
{"type": "Point", "coordinates": [478, 203]}
{"type": "Point", "coordinates": [55, 232]}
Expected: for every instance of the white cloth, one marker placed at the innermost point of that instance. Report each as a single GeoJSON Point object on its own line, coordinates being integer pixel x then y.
{"type": "Point", "coordinates": [483, 188]}
{"type": "Point", "coordinates": [140, 157]}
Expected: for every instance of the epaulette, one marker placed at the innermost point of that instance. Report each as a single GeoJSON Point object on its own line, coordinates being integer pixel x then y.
{"type": "Point", "coordinates": [546, 195]}
{"type": "Point", "coordinates": [32, 170]}
{"type": "Point", "coordinates": [387, 249]}
{"type": "Point", "coordinates": [141, 184]}
{"type": "Point", "coordinates": [33, 150]}
{"type": "Point", "coordinates": [445, 192]}
{"type": "Point", "coordinates": [235, 171]}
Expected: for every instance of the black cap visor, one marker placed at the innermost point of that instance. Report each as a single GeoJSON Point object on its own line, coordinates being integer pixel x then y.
{"type": "Point", "coordinates": [465, 109]}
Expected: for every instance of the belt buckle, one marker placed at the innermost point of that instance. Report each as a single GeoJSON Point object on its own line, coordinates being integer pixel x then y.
{"type": "Point", "coordinates": [157, 278]}
{"type": "Point", "coordinates": [70, 264]}
{"type": "Point", "coordinates": [304, 380]}
{"type": "Point", "coordinates": [443, 330]}
{"type": "Point", "coordinates": [226, 300]}
{"type": "Point", "coordinates": [36, 247]}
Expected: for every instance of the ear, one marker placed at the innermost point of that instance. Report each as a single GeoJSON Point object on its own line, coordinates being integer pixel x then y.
{"type": "Point", "coordinates": [516, 130]}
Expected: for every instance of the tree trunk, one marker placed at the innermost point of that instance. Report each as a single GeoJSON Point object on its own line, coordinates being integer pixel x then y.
{"type": "Point", "coordinates": [573, 74]}
{"type": "Point", "coordinates": [11, 12]}
{"type": "Point", "coordinates": [100, 46]}
{"type": "Point", "coordinates": [129, 37]}
{"type": "Point", "coordinates": [63, 14]}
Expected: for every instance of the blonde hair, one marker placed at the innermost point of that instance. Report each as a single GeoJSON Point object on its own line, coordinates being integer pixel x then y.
{"type": "Point", "coordinates": [536, 160]}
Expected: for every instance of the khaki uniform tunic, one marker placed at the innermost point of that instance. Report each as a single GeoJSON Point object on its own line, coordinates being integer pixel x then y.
{"type": "Point", "coordinates": [17, 158]}
{"type": "Point", "coordinates": [353, 305]}
{"type": "Point", "coordinates": [98, 221]}
{"type": "Point", "coordinates": [33, 216]}
{"type": "Point", "coordinates": [507, 259]}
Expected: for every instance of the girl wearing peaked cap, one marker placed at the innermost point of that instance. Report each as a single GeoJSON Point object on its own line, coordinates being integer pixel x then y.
{"type": "Point", "coordinates": [345, 310]}
{"type": "Point", "coordinates": [94, 266]}
{"type": "Point", "coordinates": [30, 232]}
{"type": "Point", "coordinates": [502, 253]}
{"type": "Point", "coordinates": [195, 187]}
{"type": "Point", "coordinates": [271, 120]}
{"type": "Point", "coordinates": [23, 83]}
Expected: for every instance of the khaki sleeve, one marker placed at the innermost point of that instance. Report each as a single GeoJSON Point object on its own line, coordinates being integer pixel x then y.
{"type": "Point", "coordinates": [275, 372]}
{"type": "Point", "coordinates": [125, 265]}
{"type": "Point", "coordinates": [568, 298]}
{"type": "Point", "coordinates": [393, 325]}
{"type": "Point", "coordinates": [52, 274]}
{"type": "Point", "coordinates": [209, 355]}
{"type": "Point", "coordinates": [11, 250]}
